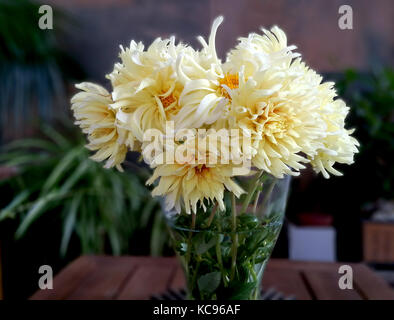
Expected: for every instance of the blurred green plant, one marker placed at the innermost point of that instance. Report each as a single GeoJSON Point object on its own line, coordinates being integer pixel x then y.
{"type": "Point", "coordinates": [103, 208]}
{"type": "Point", "coordinates": [22, 40]}
{"type": "Point", "coordinates": [33, 67]}
{"type": "Point", "coordinates": [371, 97]}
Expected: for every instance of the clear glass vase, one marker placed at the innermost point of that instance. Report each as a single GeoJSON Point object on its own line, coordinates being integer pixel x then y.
{"type": "Point", "coordinates": [224, 254]}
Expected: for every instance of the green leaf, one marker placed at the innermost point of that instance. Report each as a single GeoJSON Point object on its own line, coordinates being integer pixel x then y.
{"type": "Point", "coordinates": [201, 244]}
{"type": "Point", "coordinates": [52, 175]}
{"type": "Point", "coordinates": [30, 143]}
{"type": "Point", "coordinates": [55, 136]}
{"type": "Point", "coordinates": [114, 239]}
{"type": "Point", "coordinates": [117, 202]}
{"type": "Point", "coordinates": [7, 212]}
{"type": "Point", "coordinates": [158, 235]}
{"type": "Point", "coordinates": [60, 169]}
{"type": "Point", "coordinates": [247, 221]}
{"type": "Point", "coordinates": [37, 209]}
{"type": "Point", "coordinates": [69, 223]}
{"type": "Point", "coordinates": [22, 159]}
{"type": "Point", "coordinates": [241, 290]}
{"type": "Point", "coordinates": [77, 174]}
{"type": "Point", "coordinates": [209, 282]}
{"type": "Point", "coordinates": [147, 213]}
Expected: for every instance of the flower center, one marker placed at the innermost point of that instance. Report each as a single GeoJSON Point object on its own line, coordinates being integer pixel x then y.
{"type": "Point", "coordinates": [229, 80]}
{"type": "Point", "coordinates": [276, 127]}
{"type": "Point", "coordinates": [201, 169]}
{"type": "Point", "coordinates": [167, 101]}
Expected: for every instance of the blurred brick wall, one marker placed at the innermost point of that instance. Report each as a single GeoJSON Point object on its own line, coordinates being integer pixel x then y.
{"type": "Point", "coordinates": [101, 25]}
{"type": "Point", "coordinates": [313, 26]}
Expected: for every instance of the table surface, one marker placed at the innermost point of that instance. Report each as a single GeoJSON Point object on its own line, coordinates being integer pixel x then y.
{"type": "Point", "coordinates": [129, 277]}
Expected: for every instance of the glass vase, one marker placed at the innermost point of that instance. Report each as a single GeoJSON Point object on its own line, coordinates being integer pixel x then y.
{"type": "Point", "coordinates": [224, 253]}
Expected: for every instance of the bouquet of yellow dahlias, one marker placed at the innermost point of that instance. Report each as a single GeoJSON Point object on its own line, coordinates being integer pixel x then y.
{"type": "Point", "coordinates": [222, 140]}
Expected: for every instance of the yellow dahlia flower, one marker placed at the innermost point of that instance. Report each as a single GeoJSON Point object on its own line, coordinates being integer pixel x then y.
{"type": "Point", "coordinates": [208, 83]}
{"type": "Point", "coordinates": [204, 99]}
{"type": "Point", "coordinates": [194, 181]}
{"type": "Point", "coordinates": [260, 52]}
{"type": "Point", "coordinates": [338, 145]}
{"type": "Point", "coordinates": [97, 119]}
{"type": "Point", "coordinates": [292, 118]}
{"type": "Point", "coordinates": [281, 120]}
{"type": "Point", "coordinates": [146, 89]}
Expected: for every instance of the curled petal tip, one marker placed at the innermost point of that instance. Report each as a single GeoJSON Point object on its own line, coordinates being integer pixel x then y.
{"type": "Point", "coordinates": [218, 20]}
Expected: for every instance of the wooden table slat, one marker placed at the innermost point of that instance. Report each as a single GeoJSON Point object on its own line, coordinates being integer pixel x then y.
{"type": "Point", "coordinates": [370, 285]}
{"type": "Point", "coordinates": [290, 283]}
{"type": "Point", "coordinates": [178, 281]}
{"type": "Point", "coordinates": [104, 282]}
{"type": "Point", "coordinates": [324, 285]}
{"type": "Point", "coordinates": [68, 279]}
{"type": "Point", "coordinates": [146, 281]}
{"type": "Point", "coordinates": [104, 277]}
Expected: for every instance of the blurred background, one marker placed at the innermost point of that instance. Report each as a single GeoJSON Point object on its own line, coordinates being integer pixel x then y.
{"type": "Point", "coordinates": [56, 204]}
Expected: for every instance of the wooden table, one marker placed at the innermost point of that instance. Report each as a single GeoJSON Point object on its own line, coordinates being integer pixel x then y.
{"type": "Point", "coordinates": [104, 277]}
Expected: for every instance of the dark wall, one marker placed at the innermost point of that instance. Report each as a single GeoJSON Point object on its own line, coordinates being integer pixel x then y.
{"type": "Point", "coordinates": [101, 25]}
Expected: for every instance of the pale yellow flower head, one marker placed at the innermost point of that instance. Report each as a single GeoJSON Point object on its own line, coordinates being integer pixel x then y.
{"type": "Point", "coordinates": [282, 119]}
{"type": "Point", "coordinates": [146, 89]}
{"type": "Point", "coordinates": [258, 52]}
{"type": "Point", "coordinates": [97, 119]}
{"type": "Point", "coordinates": [293, 119]}
{"type": "Point", "coordinates": [338, 145]}
{"type": "Point", "coordinates": [204, 100]}
{"type": "Point", "coordinates": [194, 181]}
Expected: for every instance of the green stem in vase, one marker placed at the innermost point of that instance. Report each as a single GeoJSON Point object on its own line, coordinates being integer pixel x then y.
{"type": "Point", "coordinates": [252, 271]}
{"type": "Point", "coordinates": [268, 194]}
{"type": "Point", "coordinates": [234, 245]}
{"type": "Point", "coordinates": [212, 215]}
{"type": "Point", "coordinates": [224, 252]}
{"type": "Point", "coordinates": [194, 277]}
{"type": "Point", "coordinates": [256, 200]}
{"type": "Point", "coordinates": [219, 256]}
{"type": "Point", "coordinates": [252, 189]}
{"type": "Point", "coordinates": [189, 242]}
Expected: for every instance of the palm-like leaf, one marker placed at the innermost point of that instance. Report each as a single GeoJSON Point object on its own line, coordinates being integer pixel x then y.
{"type": "Point", "coordinates": [101, 207]}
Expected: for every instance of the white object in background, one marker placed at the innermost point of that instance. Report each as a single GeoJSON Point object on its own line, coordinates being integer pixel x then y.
{"type": "Point", "coordinates": [384, 212]}
{"type": "Point", "coordinates": [312, 243]}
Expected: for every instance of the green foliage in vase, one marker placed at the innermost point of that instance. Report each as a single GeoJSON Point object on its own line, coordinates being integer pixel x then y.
{"type": "Point", "coordinates": [207, 254]}
{"type": "Point", "coordinates": [224, 253]}
{"type": "Point", "coordinates": [102, 208]}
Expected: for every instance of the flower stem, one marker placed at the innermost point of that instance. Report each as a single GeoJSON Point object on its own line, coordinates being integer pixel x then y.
{"type": "Point", "coordinates": [212, 215]}
{"type": "Point", "coordinates": [251, 191]}
{"type": "Point", "coordinates": [189, 242]}
{"type": "Point", "coordinates": [234, 245]}
{"type": "Point", "coordinates": [193, 280]}
{"type": "Point", "coordinates": [256, 200]}
{"type": "Point", "coordinates": [188, 255]}
{"type": "Point", "coordinates": [219, 255]}
{"type": "Point", "coordinates": [267, 195]}
{"type": "Point", "coordinates": [220, 261]}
